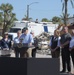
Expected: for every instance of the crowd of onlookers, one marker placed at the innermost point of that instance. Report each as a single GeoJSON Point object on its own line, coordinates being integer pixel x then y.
{"type": "Point", "coordinates": [63, 44]}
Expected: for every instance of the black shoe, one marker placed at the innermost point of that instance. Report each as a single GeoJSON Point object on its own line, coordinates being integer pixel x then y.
{"type": "Point", "coordinates": [62, 71]}
{"type": "Point", "coordinates": [69, 72]}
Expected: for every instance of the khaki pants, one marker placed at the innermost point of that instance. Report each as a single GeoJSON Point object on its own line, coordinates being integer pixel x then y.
{"type": "Point", "coordinates": [26, 53]}
{"type": "Point", "coordinates": [29, 52]}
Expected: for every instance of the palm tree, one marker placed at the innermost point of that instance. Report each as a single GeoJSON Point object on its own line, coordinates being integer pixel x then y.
{"type": "Point", "coordinates": [63, 17]}
{"type": "Point", "coordinates": [6, 16]}
{"type": "Point", "coordinates": [65, 5]}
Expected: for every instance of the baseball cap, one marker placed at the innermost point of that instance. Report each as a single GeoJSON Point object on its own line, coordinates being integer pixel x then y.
{"type": "Point", "coordinates": [25, 28]}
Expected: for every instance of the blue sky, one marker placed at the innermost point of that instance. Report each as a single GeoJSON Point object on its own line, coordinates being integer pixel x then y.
{"type": "Point", "coordinates": [42, 9]}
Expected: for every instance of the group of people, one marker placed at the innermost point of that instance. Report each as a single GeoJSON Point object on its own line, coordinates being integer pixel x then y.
{"type": "Point", "coordinates": [63, 44]}
{"type": "Point", "coordinates": [28, 38]}
{"type": "Point", "coordinates": [59, 44]}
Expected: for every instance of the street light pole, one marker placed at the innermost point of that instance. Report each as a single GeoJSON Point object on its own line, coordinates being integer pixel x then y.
{"type": "Point", "coordinates": [27, 12]}
{"type": "Point", "coordinates": [28, 9]}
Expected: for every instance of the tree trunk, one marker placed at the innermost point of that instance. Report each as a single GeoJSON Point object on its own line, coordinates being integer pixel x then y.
{"type": "Point", "coordinates": [66, 1]}
{"type": "Point", "coordinates": [4, 28]}
{"type": "Point", "coordinates": [3, 31]}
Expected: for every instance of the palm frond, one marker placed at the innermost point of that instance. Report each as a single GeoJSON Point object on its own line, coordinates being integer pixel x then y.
{"type": "Point", "coordinates": [63, 6]}
{"type": "Point", "coordinates": [72, 3]}
{"type": "Point", "coordinates": [61, 0]}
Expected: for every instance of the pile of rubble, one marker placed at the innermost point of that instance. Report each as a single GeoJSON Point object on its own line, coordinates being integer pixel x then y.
{"type": "Point", "coordinates": [43, 40]}
{"type": "Point", "coordinates": [43, 36]}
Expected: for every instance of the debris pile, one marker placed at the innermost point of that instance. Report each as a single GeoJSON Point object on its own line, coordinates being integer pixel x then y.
{"type": "Point", "coordinates": [43, 40]}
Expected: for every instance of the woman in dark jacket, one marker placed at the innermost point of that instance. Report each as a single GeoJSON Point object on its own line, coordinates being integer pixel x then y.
{"type": "Point", "coordinates": [55, 44]}
{"type": "Point", "coordinates": [5, 45]}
